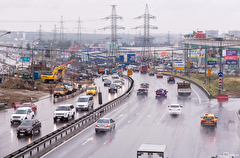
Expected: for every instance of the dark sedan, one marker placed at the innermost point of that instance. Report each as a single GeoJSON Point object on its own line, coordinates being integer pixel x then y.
{"type": "Point", "coordinates": [29, 127]}
{"type": "Point", "coordinates": [144, 85]}
{"type": "Point", "coordinates": [151, 73]}
{"type": "Point", "coordinates": [142, 91]}
{"type": "Point", "coordinates": [107, 82]}
{"type": "Point", "coordinates": [112, 88]}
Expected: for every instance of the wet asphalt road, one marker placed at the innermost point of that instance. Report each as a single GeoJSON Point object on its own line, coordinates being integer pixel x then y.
{"type": "Point", "coordinates": [144, 119]}
{"type": "Point", "coordinates": [9, 142]}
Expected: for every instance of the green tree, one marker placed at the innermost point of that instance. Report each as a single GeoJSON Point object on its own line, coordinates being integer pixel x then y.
{"type": "Point", "coordinates": [28, 46]}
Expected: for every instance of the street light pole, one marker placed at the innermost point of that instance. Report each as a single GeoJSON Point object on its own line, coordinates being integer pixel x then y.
{"type": "Point", "coordinates": [32, 62]}
{"type": "Point", "coordinates": [5, 33]}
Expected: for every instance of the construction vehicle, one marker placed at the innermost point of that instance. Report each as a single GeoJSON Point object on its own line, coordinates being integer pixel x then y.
{"type": "Point", "coordinates": [143, 69]}
{"type": "Point", "coordinates": [54, 76]}
{"type": "Point", "coordinates": [101, 70]}
{"type": "Point", "coordinates": [60, 91]}
{"type": "Point", "coordinates": [184, 88]}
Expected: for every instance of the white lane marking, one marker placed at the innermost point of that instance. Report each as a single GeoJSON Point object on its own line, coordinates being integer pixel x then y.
{"type": "Point", "coordinates": [129, 121]}
{"type": "Point", "coordinates": [87, 140]}
{"type": "Point", "coordinates": [158, 123]}
{"type": "Point", "coordinates": [120, 116]}
{"type": "Point", "coordinates": [118, 130]}
{"type": "Point", "coordinates": [137, 113]}
{"type": "Point", "coordinates": [148, 116]}
{"type": "Point", "coordinates": [199, 99]}
{"type": "Point", "coordinates": [163, 115]}
{"type": "Point", "coordinates": [104, 143]}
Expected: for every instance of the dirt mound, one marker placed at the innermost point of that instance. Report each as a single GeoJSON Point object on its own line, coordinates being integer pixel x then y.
{"type": "Point", "coordinates": [16, 83]}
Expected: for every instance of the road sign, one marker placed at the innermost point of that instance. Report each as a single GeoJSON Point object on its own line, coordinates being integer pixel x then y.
{"type": "Point", "coordinates": [209, 71]}
{"type": "Point", "coordinates": [25, 59]}
{"type": "Point", "coordinates": [220, 81]}
{"type": "Point", "coordinates": [220, 74]}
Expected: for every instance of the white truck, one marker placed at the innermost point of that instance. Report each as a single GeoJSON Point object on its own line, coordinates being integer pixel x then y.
{"type": "Point", "coordinates": [184, 88]}
{"type": "Point", "coordinates": [69, 87]}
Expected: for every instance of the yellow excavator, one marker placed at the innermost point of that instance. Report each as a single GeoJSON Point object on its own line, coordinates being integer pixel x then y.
{"type": "Point", "coordinates": [54, 76]}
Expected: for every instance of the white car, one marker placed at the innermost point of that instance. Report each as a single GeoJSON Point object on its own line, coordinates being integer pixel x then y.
{"type": "Point", "coordinates": [118, 83]}
{"type": "Point", "coordinates": [175, 109]}
{"type": "Point", "coordinates": [85, 102]}
{"type": "Point", "coordinates": [104, 77]}
{"type": "Point", "coordinates": [64, 112]}
{"type": "Point", "coordinates": [115, 76]}
{"type": "Point", "coordinates": [22, 114]}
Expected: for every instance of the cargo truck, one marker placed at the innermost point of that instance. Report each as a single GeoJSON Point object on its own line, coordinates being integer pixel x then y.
{"type": "Point", "coordinates": [143, 69]}
{"type": "Point", "coordinates": [184, 88]}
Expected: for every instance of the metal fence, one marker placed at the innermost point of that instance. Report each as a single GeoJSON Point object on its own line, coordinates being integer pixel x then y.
{"type": "Point", "coordinates": [50, 141]}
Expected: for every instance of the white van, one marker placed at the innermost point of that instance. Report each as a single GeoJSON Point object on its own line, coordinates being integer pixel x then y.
{"type": "Point", "coordinates": [85, 102]}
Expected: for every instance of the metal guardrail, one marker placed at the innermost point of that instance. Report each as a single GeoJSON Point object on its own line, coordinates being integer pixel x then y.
{"type": "Point", "coordinates": [50, 141]}
{"type": "Point", "coordinates": [192, 81]}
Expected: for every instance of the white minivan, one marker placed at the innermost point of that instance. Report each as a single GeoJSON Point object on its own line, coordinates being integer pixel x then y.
{"type": "Point", "coordinates": [85, 102]}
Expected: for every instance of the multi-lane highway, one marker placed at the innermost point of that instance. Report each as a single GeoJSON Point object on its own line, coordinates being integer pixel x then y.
{"type": "Point", "coordinates": [144, 119]}
{"type": "Point", "coordinates": [9, 142]}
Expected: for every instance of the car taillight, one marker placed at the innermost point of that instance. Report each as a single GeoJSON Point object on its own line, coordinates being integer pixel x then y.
{"type": "Point", "coordinates": [165, 95]}
{"type": "Point", "coordinates": [179, 109]}
{"type": "Point", "coordinates": [203, 120]}
{"type": "Point", "coordinates": [169, 109]}
{"type": "Point", "coordinates": [145, 91]}
{"type": "Point", "coordinates": [107, 126]}
{"type": "Point", "coordinates": [96, 125]}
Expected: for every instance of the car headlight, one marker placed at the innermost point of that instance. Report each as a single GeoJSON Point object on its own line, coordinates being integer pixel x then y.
{"type": "Point", "coordinates": [65, 113]}
{"type": "Point", "coordinates": [28, 129]}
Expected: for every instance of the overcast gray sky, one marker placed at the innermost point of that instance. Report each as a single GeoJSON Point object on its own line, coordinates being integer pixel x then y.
{"type": "Point", "coordinates": [174, 16]}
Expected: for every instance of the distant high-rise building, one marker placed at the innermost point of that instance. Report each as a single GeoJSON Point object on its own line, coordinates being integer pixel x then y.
{"type": "Point", "coordinates": [234, 32]}
{"type": "Point", "coordinates": [212, 33]}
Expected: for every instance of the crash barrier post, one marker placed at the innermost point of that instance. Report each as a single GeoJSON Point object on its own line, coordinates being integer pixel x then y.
{"type": "Point", "coordinates": [50, 141]}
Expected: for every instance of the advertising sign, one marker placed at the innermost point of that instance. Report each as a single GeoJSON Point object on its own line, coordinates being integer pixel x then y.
{"type": "Point", "coordinates": [197, 53]}
{"type": "Point", "coordinates": [230, 58]}
{"type": "Point", "coordinates": [211, 62]}
{"type": "Point", "coordinates": [178, 65]}
{"type": "Point", "coordinates": [93, 49]}
{"type": "Point", "coordinates": [25, 59]}
{"type": "Point", "coordinates": [231, 53]}
{"type": "Point", "coordinates": [231, 62]}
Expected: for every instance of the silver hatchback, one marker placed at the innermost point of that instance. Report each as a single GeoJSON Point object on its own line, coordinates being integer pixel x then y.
{"type": "Point", "coordinates": [105, 124]}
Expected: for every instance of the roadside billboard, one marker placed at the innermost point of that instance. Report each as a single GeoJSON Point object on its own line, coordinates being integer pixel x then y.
{"type": "Point", "coordinates": [196, 53]}
{"type": "Point", "coordinates": [178, 65]}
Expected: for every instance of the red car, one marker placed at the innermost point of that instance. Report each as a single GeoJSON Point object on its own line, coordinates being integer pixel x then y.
{"type": "Point", "coordinates": [32, 105]}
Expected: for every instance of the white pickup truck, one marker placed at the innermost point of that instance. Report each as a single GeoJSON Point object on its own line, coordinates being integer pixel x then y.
{"type": "Point", "coordinates": [184, 88]}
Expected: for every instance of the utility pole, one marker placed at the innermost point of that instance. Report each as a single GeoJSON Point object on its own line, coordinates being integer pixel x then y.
{"type": "Point", "coordinates": [172, 63]}
{"type": "Point", "coordinates": [61, 29]}
{"type": "Point", "coordinates": [114, 17]}
{"type": "Point", "coordinates": [79, 38]}
{"type": "Point", "coordinates": [146, 39]}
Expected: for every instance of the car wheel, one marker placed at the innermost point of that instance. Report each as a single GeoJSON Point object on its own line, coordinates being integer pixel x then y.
{"type": "Point", "coordinates": [114, 127]}
{"type": "Point", "coordinates": [96, 130]}
{"type": "Point", "coordinates": [73, 115]}
{"type": "Point", "coordinates": [39, 129]}
{"type": "Point", "coordinates": [54, 119]}
{"type": "Point", "coordinates": [67, 117]}
{"type": "Point", "coordinates": [76, 109]}
{"type": "Point", "coordinates": [11, 122]}
{"type": "Point", "coordinates": [32, 132]}
{"type": "Point", "coordinates": [32, 116]}
{"type": "Point", "coordinates": [18, 134]}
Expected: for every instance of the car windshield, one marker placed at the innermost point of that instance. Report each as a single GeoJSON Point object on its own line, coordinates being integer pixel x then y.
{"type": "Point", "coordinates": [141, 90]}
{"type": "Point", "coordinates": [91, 88]}
{"type": "Point", "coordinates": [25, 105]}
{"type": "Point", "coordinates": [105, 76]}
{"type": "Point", "coordinates": [63, 108]}
{"type": "Point", "coordinates": [117, 81]}
{"type": "Point", "coordinates": [208, 118]}
{"type": "Point", "coordinates": [103, 121]}
{"type": "Point", "coordinates": [20, 111]}
{"type": "Point", "coordinates": [82, 99]}
{"type": "Point", "coordinates": [66, 84]}
{"type": "Point", "coordinates": [59, 89]}
{"type": "Point", "coordinates": [27, 123]}
{"type": "Point", "coordinates": [112, 86]}
{"type": "Point", "coordinates": [174, 106]}
{"type": "Point", "coordinates": [107, 81]}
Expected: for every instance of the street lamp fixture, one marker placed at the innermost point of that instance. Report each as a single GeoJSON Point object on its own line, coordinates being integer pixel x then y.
{"type": "Point", "coordinates": [5, 33]}
{"type": "Point", "coordinates": [32, 61]}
